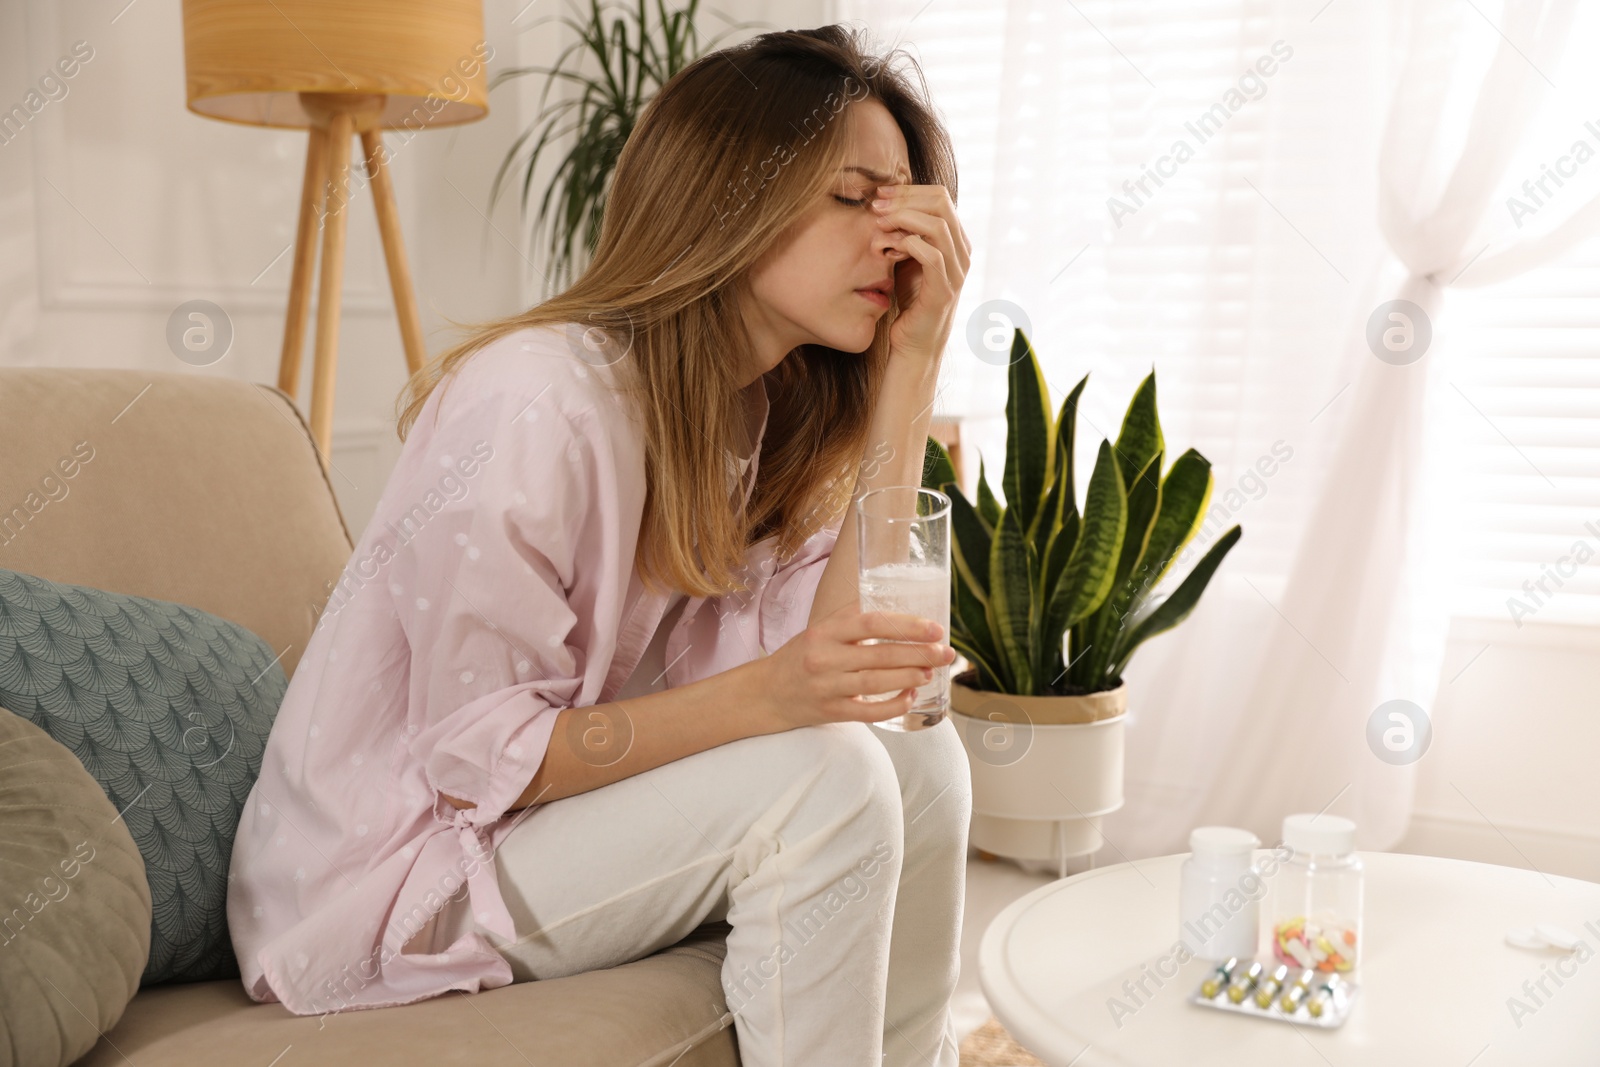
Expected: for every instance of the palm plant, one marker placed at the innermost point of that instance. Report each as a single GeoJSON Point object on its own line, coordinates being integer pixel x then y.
{"type": "Point", "coordinates": [1050, 601]}
{"type": "Point", "coordinates": [634, 61]}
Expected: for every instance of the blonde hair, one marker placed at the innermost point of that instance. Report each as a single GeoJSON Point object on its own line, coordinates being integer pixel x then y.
{"type": "Point", "coordinates": [758, 122]}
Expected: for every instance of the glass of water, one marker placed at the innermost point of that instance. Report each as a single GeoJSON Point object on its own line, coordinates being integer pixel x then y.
{"type": "Point", "coordinates": [903, 554]}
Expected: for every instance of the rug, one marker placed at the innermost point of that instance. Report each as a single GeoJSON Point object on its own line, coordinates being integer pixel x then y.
{"type": "Point", "coordinates": [990, 1046]}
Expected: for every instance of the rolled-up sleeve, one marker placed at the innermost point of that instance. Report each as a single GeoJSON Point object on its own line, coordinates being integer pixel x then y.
{"type": "Point", "coordinates": [480, 591]}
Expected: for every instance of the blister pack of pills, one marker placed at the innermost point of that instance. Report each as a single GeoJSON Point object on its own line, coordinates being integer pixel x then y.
{"type": "Point", "coordinates": [1272, 990]}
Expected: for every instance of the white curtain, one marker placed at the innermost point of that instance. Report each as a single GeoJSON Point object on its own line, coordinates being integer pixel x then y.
{"type": "Point", "coordinates": [1366, 587]}
{"type": "Point", "coordinates": [1247, 281]}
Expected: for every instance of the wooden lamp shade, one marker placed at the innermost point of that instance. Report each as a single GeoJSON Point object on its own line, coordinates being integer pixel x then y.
{"type": "Point", "coordinates": [337, 68]}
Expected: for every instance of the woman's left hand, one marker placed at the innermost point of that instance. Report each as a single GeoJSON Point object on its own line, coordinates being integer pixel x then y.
{"type": "Point", "coordinates": [922, 222]}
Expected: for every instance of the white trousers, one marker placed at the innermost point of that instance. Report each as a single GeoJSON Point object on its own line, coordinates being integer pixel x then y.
{"type": "Point", "coordinates": [836, 853]}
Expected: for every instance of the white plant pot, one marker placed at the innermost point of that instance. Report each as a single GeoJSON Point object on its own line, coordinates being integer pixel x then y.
{"type": "Point", "coordinates": [1040, 789]}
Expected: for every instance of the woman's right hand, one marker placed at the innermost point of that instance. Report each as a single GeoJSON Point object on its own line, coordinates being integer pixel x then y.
{"type": "Point", "coordinates": [818, 675]}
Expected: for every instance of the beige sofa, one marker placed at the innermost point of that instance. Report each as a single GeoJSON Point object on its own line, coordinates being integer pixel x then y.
{"type": "Point", "coordinates": [207, 491]}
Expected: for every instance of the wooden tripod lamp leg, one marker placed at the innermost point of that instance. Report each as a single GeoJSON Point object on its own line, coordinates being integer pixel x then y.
{"type": "Point", "coordinates": [324, 372]}
{"type": "Point", "coordinates": [305, 256]}
{"type": "Point", "coordinates": [394, 249]}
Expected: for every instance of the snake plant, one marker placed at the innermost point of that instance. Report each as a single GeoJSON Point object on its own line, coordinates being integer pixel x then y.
{"type": "Point", "coordinates": [1048, 600]}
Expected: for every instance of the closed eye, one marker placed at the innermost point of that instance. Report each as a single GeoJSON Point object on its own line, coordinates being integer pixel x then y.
{"type": "Point", "coordinates": [845, 200]}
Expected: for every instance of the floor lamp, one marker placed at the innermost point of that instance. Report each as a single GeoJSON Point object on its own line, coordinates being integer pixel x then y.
{"type": "Point", "coordinates": [338, 68]}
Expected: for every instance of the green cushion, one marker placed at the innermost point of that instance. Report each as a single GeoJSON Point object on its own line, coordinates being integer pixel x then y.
{"type": "Point", "coordinates": [169, 708]}
{"type": "Point", "coordinates": [74, 904]}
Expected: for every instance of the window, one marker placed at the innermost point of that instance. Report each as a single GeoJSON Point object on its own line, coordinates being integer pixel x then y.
{"type": "Point", "coordinates": [1521, 410]}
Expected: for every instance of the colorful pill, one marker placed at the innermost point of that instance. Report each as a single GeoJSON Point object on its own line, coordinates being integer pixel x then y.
{"type": "Point", "coordinates": [1242, 983]}
{"type": "Point", "coordinates": [1290, 1001]}
{"type": "Point", "coordinates": [1323, 997]}
{"type": "Point", "coordinates": [1271, 985]}
{"type": "Point", "coordinates": [1214, 982]}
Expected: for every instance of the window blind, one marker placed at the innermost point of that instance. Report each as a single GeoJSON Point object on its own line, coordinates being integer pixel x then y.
{"type": "Point", "coordinates": [1523, 437]}
{"type": "Point", "coordinates": [1520, 407]}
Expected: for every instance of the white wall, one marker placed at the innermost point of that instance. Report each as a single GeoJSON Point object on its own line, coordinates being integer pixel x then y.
{"type": "Point", "coordinates": [1510, 776]}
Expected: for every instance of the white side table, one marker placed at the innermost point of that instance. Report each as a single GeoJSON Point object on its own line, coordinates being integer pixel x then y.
{"type": "Point", "coordinates": [1084, 972]}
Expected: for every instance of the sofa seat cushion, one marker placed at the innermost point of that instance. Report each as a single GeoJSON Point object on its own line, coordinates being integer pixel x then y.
{"type": "Point", "coordinates": [667, 1008]}
{"type": "Point", "coordinates": [168, 707]}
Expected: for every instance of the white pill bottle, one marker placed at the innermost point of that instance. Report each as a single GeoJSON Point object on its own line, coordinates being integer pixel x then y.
{"type": "Point", "coordinates": [1314, 906]}
{"type": "Point", "coordinates": [1220, 894]}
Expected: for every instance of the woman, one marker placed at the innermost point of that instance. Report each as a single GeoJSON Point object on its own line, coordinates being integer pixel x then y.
{"type": "Point", "coordinates": [664, 456]}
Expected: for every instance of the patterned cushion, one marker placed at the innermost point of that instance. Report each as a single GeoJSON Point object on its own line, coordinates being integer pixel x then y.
{"type": "Point", "coordinates": [74, 904]}
{"type": "Point", "coordinates": [168, 707]}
